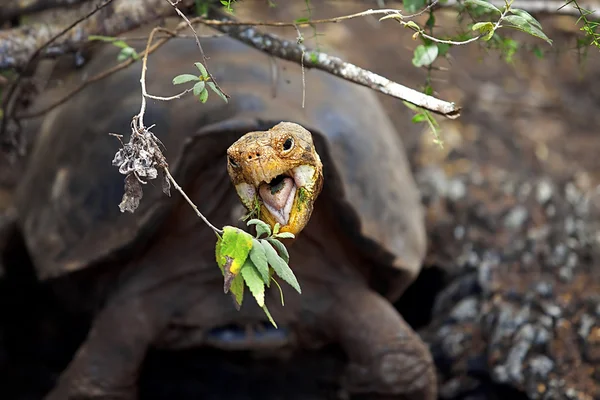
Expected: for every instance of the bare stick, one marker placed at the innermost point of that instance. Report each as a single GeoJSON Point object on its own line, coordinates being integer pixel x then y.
{"type": "Point", "coordinates": [190, 202]}
{"type": "Point", "coordinates": [298, 53]}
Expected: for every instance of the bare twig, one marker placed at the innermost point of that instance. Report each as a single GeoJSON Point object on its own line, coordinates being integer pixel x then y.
{"type": "Point", "coordinates": [190, 202]}
{"type": "Point", "coordinates": [298, 53]}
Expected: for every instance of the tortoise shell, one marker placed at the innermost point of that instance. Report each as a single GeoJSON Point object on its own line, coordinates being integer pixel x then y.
{"type": "Point", "coordinates": [68, 199]}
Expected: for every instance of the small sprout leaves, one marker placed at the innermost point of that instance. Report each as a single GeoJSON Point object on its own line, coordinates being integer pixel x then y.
{"type": "Point", "coordinates": [280, 266]}
{"type": "Point", "coordinates": [127, 52]}
{"type": "Point", "coordinates": [262, 228]}
{"type": "Point", "coordinates": [184, 78]}
{"type": "Point", "coordinates": [254, 282]}
{"type": "Point", "coordinates": [259, 259]}
{"type": "Point", "coordinates": [425, 55]}
{"type": "Point", "coordinates": [484, 4]}
{"type": "Point", "coordinates": [199, 87]}
{"type": "Point", "coordinates": [202, 70]}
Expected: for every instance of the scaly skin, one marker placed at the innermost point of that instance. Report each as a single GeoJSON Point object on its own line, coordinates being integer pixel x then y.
{"type": "Point", "coordinates": [259, 157]}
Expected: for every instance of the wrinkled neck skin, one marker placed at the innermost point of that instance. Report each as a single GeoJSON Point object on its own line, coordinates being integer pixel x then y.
{"type": "Point", "coordinates": [179, 270]}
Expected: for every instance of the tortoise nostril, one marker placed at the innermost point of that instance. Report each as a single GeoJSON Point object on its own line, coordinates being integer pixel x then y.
{"type": "Point", "coordinates": [257, 154]}
{"type": "Point", "coordinates": [249, 157]}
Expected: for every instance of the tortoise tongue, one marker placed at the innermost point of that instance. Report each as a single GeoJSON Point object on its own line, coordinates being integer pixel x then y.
{"type": "Point", "coordinates": [278, 197]}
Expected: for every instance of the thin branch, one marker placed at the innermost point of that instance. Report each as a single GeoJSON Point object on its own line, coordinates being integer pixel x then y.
{"type": "Point", "coordinates": [298, 53]}
{"type": "Point", "coordinates": [536, 6]}
{"type": "Point", "coordinates": [190, 202]}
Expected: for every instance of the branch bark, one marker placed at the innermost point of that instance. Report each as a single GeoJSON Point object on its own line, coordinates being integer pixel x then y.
{"type": "Point", "coordinates": [541, 6]}
{"type": "Point", "coordinates": [17, 8]}
{"type": "Point", "coordinates": [17, 45]}
{"type": "Point", "coordinates": [300, 54]}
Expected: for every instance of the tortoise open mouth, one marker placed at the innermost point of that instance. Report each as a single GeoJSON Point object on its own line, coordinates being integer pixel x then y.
{"type": "Point", "coordinates": [281, 192]}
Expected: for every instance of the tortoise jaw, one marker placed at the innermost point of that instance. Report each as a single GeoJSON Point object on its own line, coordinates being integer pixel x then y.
{"type": "Point", "coordinates": [280, 197]}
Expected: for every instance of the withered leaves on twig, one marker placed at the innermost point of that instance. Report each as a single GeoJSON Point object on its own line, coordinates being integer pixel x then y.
{"type": "Point", "coordinates": [139, 159]}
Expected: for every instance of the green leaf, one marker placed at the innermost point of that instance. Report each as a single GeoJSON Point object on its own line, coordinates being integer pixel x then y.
{"type": "Point", "coordinates": [183, 78]}
{"type": "Point", "coordinates": [301, 20]}
{"type": "Point", "coordinates": [413, 6]}
{"type": "Point", "coordinates": [254, 282]}
{"type": "Point", "coordinates": [425, 55]}
{"type": "Point", "coordinates": [266, 310]}
{"type": "Point", "coordinates": [483, 27]}
{"type": "Point", "coordinates": [539, 53]}
{"type": "Point", "coordinates": [276, 228]}
{"type": "Point", "coordinates": [217, 91]}
{"type": "Point", "coordinates": [237, 291]}
{"type": "Point", "coordinates": [285, 235]}
{"type": "Point", "coordinates": [125, 53]}
{"type": "Point", "coordinates": [202, 69]}
{"type": "Point", "coordinates": [413, 24]}
{"type": "Point", "coordinates": [235, 244]}
{"type": "Point", "coordinates": [261, 227]}
{"type": "Point", "coordinates": [280, 266]}
{"type": "Point", "coordinates": [528, 17]}
{"type": "Point", "coordinates": [203, 96]}
{"type": "Point", "coordinates": [443, 49]}
{"type": "Point", "coordinates": [199, 87]}
{"type": "Point", "coordinates": [419, 118]}
{"type": "Point", "coordinates": [483, 4]}
{"type": "Point", "coordinates": [281, 249]}
{"type": "Point", "coordinates": [522, 24]}
{"type": "Point", "coordinates": [259, 258]}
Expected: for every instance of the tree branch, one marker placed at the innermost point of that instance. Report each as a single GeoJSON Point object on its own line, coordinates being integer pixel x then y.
{"type": "Point", "coordinates": [19, 8]}
{"type": "Point", "coordinates": [298, 53]}
{"type": "Point", "coordinates": [19, 44]}
{"type": "Point", "coordinates": [539, 6]}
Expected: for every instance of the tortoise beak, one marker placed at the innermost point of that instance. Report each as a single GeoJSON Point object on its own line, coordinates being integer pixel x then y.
{"type": "Point", "coordinates": [286, 199]}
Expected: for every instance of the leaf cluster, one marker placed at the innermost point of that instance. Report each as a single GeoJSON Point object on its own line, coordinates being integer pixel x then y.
{"type": "Point", "coordinates": [254, 261]}
{"type": "Point", "coordinates": [126, 50]}
{"type": "Point", "coordinates": [202, 81]}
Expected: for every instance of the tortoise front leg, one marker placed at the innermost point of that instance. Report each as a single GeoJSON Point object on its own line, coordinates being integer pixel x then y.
{"type": "Point", "coordinates": [106, 365]}
{"type": "Point", "coordinates": [387, 358]}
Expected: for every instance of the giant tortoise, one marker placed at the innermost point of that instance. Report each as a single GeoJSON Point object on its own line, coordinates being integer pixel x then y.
{"type": "Point", "coordinates": [156, 282]}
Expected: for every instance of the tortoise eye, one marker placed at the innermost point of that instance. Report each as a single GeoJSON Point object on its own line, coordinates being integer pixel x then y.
{"type": "Point", "coordinates": [232, 162]}
{"type": "Point", "coordinates": [287, 145]}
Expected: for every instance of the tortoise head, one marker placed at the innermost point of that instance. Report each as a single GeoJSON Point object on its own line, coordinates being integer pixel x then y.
{"type": "Point", "coordinates": [278, 172]}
